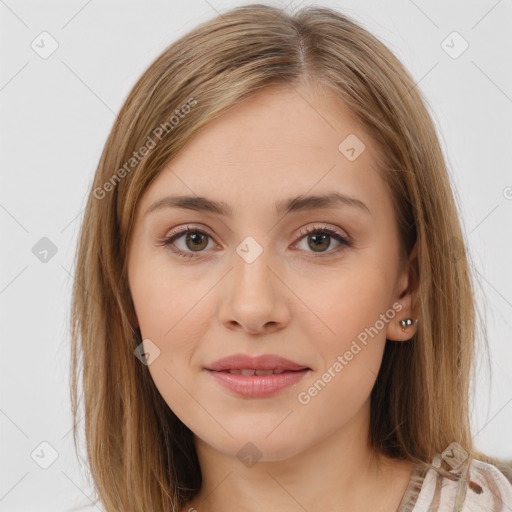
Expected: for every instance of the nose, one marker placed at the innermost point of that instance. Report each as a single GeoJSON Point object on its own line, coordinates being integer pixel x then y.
{"type": "Point", "coordinates": [254, 297]}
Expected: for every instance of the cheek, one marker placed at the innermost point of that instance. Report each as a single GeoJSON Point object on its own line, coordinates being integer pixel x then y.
{"type": "Point", "coordinates": [174, 314]}
{"type": "Point", "coordinates": [350, 343]}
{"type": "Point", "coordinates": [163, 298]}
{"type": "Point", "coordinates": [350, 348]}
{"type": "Point", "coordinates": [349, 307]}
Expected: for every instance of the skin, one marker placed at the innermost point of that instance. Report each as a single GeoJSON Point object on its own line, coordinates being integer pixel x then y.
{"type": "Point", "coordinates": [290, 301]}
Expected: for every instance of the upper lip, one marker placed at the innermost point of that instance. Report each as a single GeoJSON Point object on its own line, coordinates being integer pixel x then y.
{"type": "Point", "coordinates": [263, 362]}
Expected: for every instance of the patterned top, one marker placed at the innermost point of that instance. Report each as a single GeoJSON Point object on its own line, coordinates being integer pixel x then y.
{"type": "Point", "coordinates": [482, 487]}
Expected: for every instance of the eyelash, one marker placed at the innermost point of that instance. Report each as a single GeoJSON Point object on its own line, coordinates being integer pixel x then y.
{"type": "Point", "coordinates": [308, 231]}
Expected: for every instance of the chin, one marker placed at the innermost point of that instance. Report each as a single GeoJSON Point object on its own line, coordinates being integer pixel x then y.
{"type": "Point", "coordinates": [252, 446]}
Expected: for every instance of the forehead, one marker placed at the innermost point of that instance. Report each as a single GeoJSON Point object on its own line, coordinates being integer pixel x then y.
{"type": "Point", "coordinates": [280, 143]}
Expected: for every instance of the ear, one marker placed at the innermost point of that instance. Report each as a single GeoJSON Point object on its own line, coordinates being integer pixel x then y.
{"type": "Point", "coordinates": [406, 296]}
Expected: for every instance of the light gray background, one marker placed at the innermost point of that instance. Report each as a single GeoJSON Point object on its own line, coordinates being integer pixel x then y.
{"type": "Point", "coordinates": [56, 114]}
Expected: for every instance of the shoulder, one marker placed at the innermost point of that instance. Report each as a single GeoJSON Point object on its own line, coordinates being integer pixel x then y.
{"type": "Point", "coordinates": [487, 489]}
{"type": "Point", "coordinates": [481, 487]}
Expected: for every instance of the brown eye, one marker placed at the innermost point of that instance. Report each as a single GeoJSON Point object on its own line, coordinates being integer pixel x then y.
{"type": "Point", "coordinates": [319, 240]}
{"type": "Point", "coordinates": [191, 241]}
{"type": "Point", "coordinates": [195, 240]}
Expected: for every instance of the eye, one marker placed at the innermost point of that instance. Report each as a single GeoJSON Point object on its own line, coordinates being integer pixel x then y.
{"type": "Point", "coordinates": [195, 241]}
{"type": "Point", "coordinates": [320, 238]}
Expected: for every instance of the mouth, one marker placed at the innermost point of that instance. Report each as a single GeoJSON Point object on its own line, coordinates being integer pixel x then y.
{"type": "Point", "coordinates": [250, 383]}
{"type": "Point", "coordinates": [253, 371]}
{"type": "Point", "coordinates": [246, 364]}
{"type": "Point", "coordinates": [248, 376]}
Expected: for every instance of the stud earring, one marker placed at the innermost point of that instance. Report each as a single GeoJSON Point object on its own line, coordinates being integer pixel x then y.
{"type": "Point", "coordinates": [406, 323]}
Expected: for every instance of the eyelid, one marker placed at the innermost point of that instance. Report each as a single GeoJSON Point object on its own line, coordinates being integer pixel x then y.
{"type": "Point", "coordinates": [186, 227]}
{"type": "Point", "coordinates": [322, 226]}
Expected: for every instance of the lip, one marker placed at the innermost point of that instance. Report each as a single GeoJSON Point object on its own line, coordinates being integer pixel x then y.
{"type": "Point", "coordinates": [263, 362]}
{"type": "Point", "coordinates": [256, 386]}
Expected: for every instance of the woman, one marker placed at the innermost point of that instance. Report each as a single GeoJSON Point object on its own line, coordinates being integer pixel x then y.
{"type": "Point", "coordinates": [273, 305]}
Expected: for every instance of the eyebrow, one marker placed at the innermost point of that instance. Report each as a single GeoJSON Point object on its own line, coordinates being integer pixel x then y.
{"type": "Point", "coordinates": [283, 207]}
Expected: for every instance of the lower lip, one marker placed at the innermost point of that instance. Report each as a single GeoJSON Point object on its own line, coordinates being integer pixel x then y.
{"type": "Point", "coordinates": [256, 386]}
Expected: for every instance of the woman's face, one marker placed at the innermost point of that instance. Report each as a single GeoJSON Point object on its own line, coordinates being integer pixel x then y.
{"type": "Point", "coordinates": [254, 280]}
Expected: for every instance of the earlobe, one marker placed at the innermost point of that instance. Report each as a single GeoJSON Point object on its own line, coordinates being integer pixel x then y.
{"type": "Point", "coordinates": [409, 327]}
{"type": "Point", "coordinates": [406, 323]}
{"type": "Point", "coordinates": [402, 329]}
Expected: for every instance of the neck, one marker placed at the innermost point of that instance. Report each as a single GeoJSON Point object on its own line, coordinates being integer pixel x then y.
{"type": "Point", "coordinates": [341, 472]}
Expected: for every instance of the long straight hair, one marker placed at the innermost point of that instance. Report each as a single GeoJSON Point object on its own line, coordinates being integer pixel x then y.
{"type": "Point", "coordinates": [141, 456]}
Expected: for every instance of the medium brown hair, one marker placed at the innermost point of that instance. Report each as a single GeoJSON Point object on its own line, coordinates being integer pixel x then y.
{"type": "Point", "coordinates": [141, 456]}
